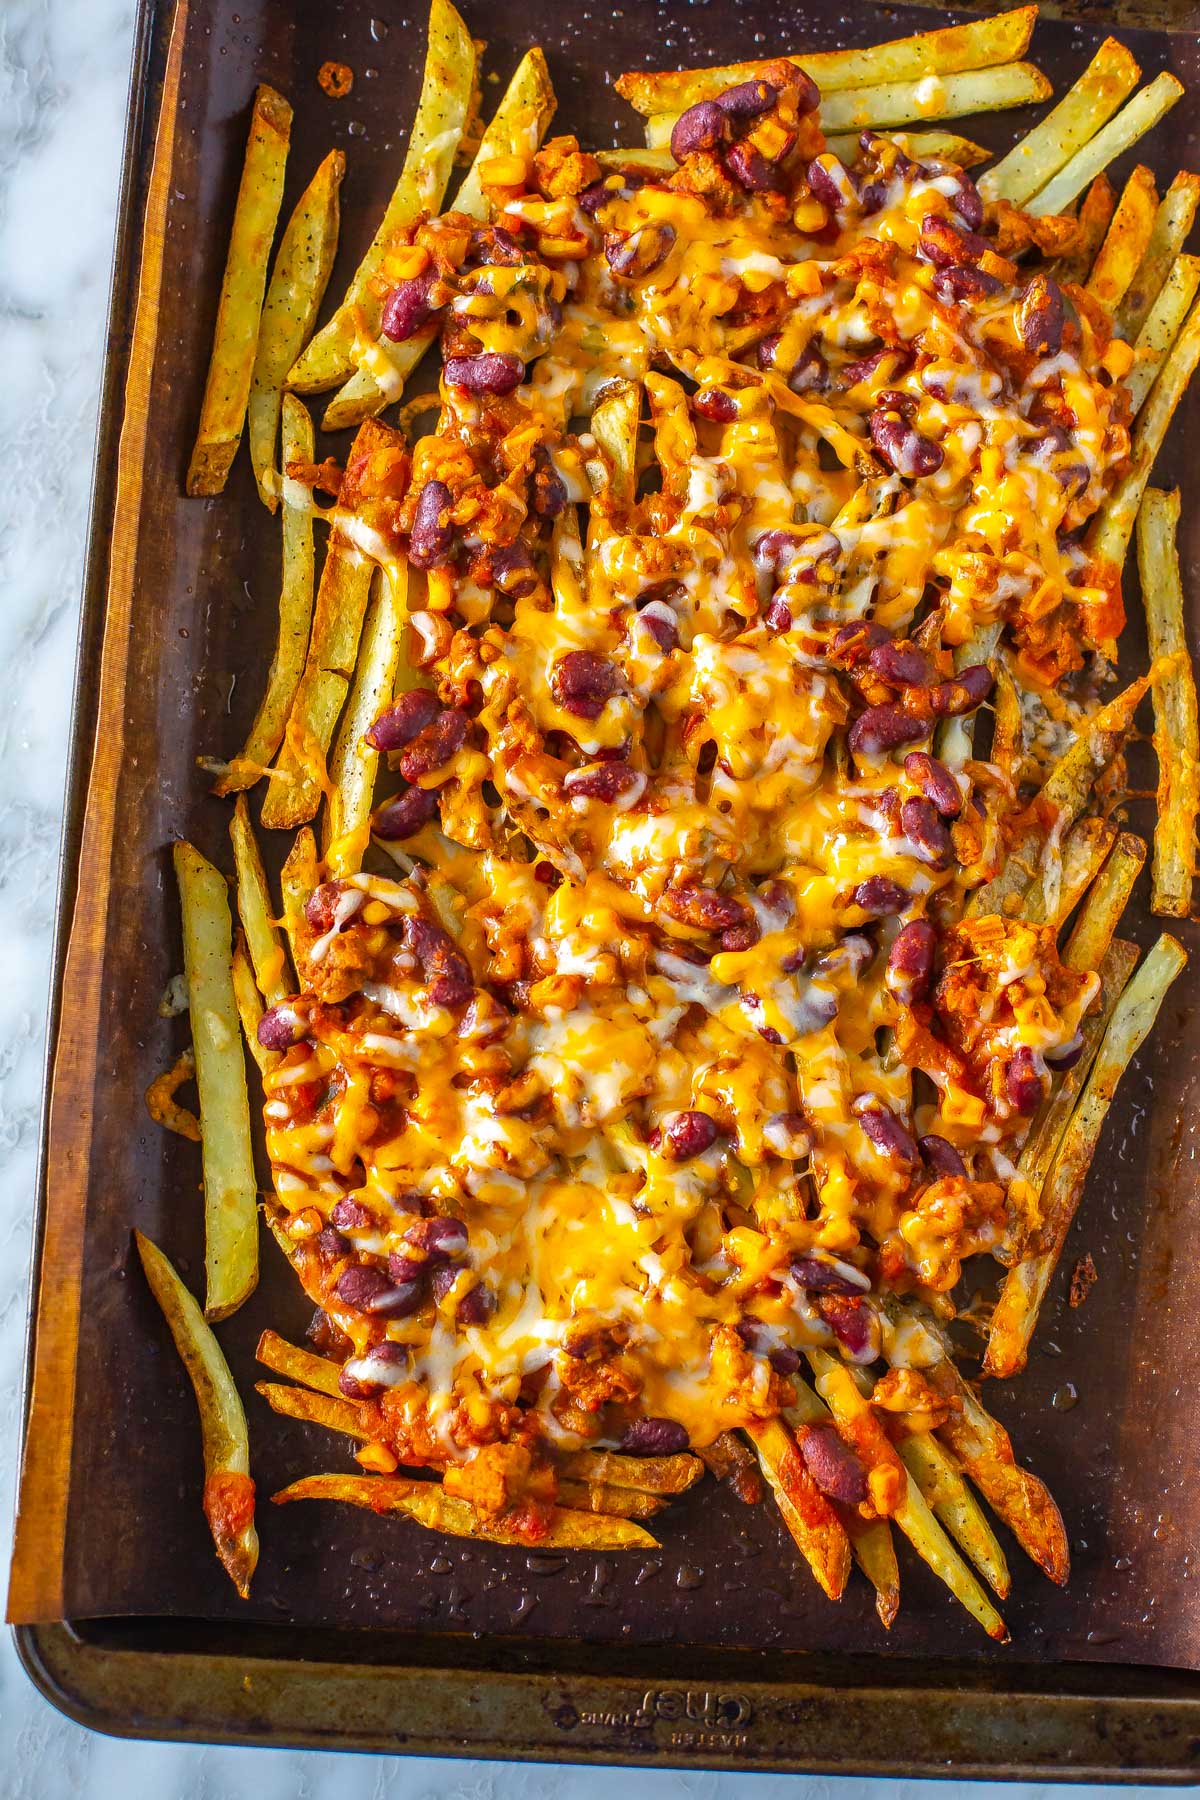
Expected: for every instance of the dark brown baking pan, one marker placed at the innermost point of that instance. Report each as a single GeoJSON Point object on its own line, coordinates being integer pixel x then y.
{"type": "Point", "coordinates": [367, 1633]}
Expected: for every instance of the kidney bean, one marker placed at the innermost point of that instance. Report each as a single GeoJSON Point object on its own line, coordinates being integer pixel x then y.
{"type": "Point", "coordinates": [1067, 1057]}
{"type": "Point", "coordinates": [549, 496]}
{"type": "Point", "coordinates": [966, 199]}
{"type": "Point", "coordinates": [476, 1306]}
{"type": "Point", "coordinates": [880, 896]}
{"type": "Point", "coordinates": [444, 968]}
{"type": "Point", "coordinates": [964, 283]}
{"type": "Point", "coordinates": [935, 782]}
{"type": "Point", "coordinates": [594, 197]}
{"type": "Point", "coordinates": [605, 782]}
{"type": "Point", "coordinates": [331, 1245]}
{"type": "Point", "coordinates": [351, 1215]}
{"type": "Point", "coordinates": [405, 815]}
{"type": "Point", "coordinates": [740, 937]}
{"type": "Point", "coordinates": [850, 643]}
{"type": "Point", "coordinates": [703, 907]}
{"type": "Point", "coordinates": [582, 683]}
{"type": "Point", "coordinates": [642, 252]}
{"type": "Point", "coordinates": [748, 99]}
{"type": "Point", "coordinates": [715, 404]}
{"type": "Point", "coordinates": [282, 1026]}
{"type": "Point", "coordinates": [963, 692]}
{"type": "Point", "coordinates": [701, 127]}
{"type": "Point", "coordinates": [903, 665]}
{"type": "Point", "coordinates": [441, 1239]}
{"type": "Point", "coordinates": [902, 447]}
{"type": "Point", "coordinates": [890, 1136]}
{"type": "Point", "coordinates": [855, 953]}
{"type": "Point", "coordinates": [923, 827]}
{"type": "Point", "coordinates": [689, 1134]}
{"type": "Point", "coordinates": [403, 1268]}
{"type": "Point", "coordinates": [814, 1012]}
{"type": "Point", "coordinates": [829, 182]}
{"type": "Point", "coordinates": [750, 169]}
{"type": "Point", "coordinates": [910, 962]}
{"type": "Point", "coordinates": [832, 1464]}
{"type": "Point", "coordinates": [494, 247]}
{"type": "Point", "coordinates": [809, 374]}
{"type": "Point", "coordinates": [327, 1338]}
{"type": "Point", "coordinates": [872, 195]}
{"type": "Point", "coordinates": [400, 724]}
{"type": "Point", "coordinates": [884, 728]}
{"type": "Point", "coordinates": [432, 535]}
{"type": "Point", "coordinates": [662, 626]}
{"type": "Point", "coordinates": [819, 1275]}
{"type": "Point", "coordinates": [397, 1302]}
{"type": "Point", "coordinates": [1040, 316]}
{"type": "Point", "coordinates": [942, 1157]}
{"type": "Point", "coordinates": [855, 1326]}
{"type": "Point", "coordinates": [321, 907]}
{"type": "Point", "coordinates": [774, 550]}
{"type": "Point", "coordinates": [491, 372]}
{"type": "Point", "coordinates": [513, 569]}
{"type": "Point", "coordinates": [784, 1360]}
{"type": "Point", "coordinates": [384, 1357]}
{"type": "Point", "coordinates": [896, 400]}
{"type": "Point", "coordinates": [408, 307]}
{"type": "Point", "coordinates": [778, 616]}
{"type": "Point", "coordinates": [945, 246]}
{"type": "Point", "coordinates": [1022, 1081]}
{"type": "Point", "coordinates": [654, 1437]}
{"type": "Point", "coordinates": [361, 1284]}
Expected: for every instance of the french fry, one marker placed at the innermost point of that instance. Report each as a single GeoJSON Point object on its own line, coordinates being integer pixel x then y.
{"type": "Point", "coordinates": [1120, 255]}
{"type": "Point", "coordinates": [297, 287]}
{"type": "Point", "coordinates": [235, 340]}
{"type": "Point", "coordinates": [1066, 878]}
{"type": "Point", "coordinates": [162, 1105]}
{"type": "Point", "coordinates": [263, 941]}
{"type": "Point", "coordinates": [1162, 326]}
{"type": "Point", "coordinates": [1131, 123]}
{"type": "Point", "coordinates": [870, 1539]}
{"type": "Point", "coordinates": [602, 1497]}
{"type": "Point", "coordinates": [329, 1410]}
{"type": "Point", "coordinates": [429, 1504]}
{"type": "Point", "coordinates": [949, 1497]}
{"type": "Point", "coordinates": [818, 1533]}
{"type": "Point", "coordinates": [354, 764]}
{"type": "Point", "coordinates": [947, 145]}
{"type": "Point", "coordinates": [648, 1474]}
{"type": "Point", "coordinates": [1063, 133]}
{"type": "Point", "coordinates": [432, 145]}
{"type": "Point", "coordinates": [297, 879]}
{"type": "Point", "coordinates": [974, 45]}
{"type": "Point", "coordinates": [304, 1366]}
{"type": "Point", "coordinates": [729, 1460]}
{"type": "Point", "coordinates": [1172, 223]}
{"type": "Point", "coordinates": [295, 611]}
{"type": "Point", "coordinates": [1093, 220]}
{"type": "Point", "coordinates": [249, 1003]}
{"type": "Point", "coordinates": [230, 1188]}
{"type": "Point", "coordinates": [1101, 912]}
{"type": "Point", "coordinates": [1176, 733]}
{"type": "Point", "coordinates": [228, 1488]}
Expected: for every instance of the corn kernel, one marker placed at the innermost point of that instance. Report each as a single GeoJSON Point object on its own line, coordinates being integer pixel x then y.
{"type": "Point", "coordinates": [1118, 358]}
{"type": "Point", "coordinates": [807, 215]}
{"type": "Point", "coordinates": [407, 260]}
{"type": "Point", "coordinates": [378, 1459]}
{"type": "Point", "coordinates": [503, 171]}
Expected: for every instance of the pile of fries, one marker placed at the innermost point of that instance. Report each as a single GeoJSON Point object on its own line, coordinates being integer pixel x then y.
{"type": "Point", "coordinates": [708, 940]}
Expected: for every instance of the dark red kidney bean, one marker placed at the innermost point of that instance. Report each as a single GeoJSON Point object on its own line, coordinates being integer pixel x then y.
{"type": "Point", "coordinates": [943, 1158]}
{"type": "Point", "coordinates": [664, 630]}
{"type": "Point", "coordinates": [1067, 1057]}
{"type": "Point", "coordinates": [594, 197]}
{"type": "Point", "coordinates": [903, 665]}
{"type": "Point", "coordinates": [360, 1285]}
{"type": "Point", "coordinates": [331, 1245]}
{"type": "Point", "coordinates": [880, 896]}
{"type": "Point", "coordinates": [703, 907]}
{"type": "Point", "coordinates": [953, 286]}
{"type": "Point", "coordinates": [776, 548]}
{"type": "Point", "coordinates": [784, 1360]}
{"type": "Point", "coordinates": [872, 195]}
{"type": "Point", "coordinates": [1040, 316]}
{"type": "Point", "coordinates": [282, 1026]}
{"type": "Point", "coordinates": [945, 246]}
{"type": "Point", "coordinates": [405, 815]}
{"type": "Point", "coordinates": [778, 616]}
{"type": "Point", "coordinates": [963, 692]}
{"type": "Point", "coordinates": [902, 447]}
{"type": "Point", "coordinates": [408, 307]}
{"type": "Point", "coordinates": [747, 100]}
{"type": "Point", "coordinates": [441, 1239]}
{"type": "Point", "coordinates": [740, 937]}
{"type": "Point", "coordinates": [935, 782]}
{"type": "Point", "coordinates": [808, 94]}
{"type": "Point", "coordinates": [654, 1437]}
{"type": "Point", "coordinates": [689, 1134]}
{"type": "Point", "coordinates": [397, 1302]}
{"type": "Point", "coordinates": [855, 953]}
{"type": "Point", "coordinates": [910, 961]}
{"type": "Point", "coordinates": [582, 683]}
{"type": "Point", "coordinates": [809, 374]}
{"type": "Point", "coordinates": [670, 592]}
{"type": "Point", "coordinates": [829, 182]}
{"type": "Point", "coordinates": [884, 728]}
{"type": "Point", "coordinates": [890, 1136]}
{"type": "Point", "coordinates": [442, 1280]}
{"type": "Point", "coordinates": [476, 1306]}
{"type": "Point", "coordinates": [966, 199]}
{"type": "Point", "coordinates": [433, 747]}
{"type": "Point", "coordinates": [384, 1356]}
{"type": "Point", "coordinates": [850, 643]}
{"type": "Point", "coordinates": [750, 169]}
{"type": "Point", "coordinates": [443, 966]}
{"type": "Point", "coordinates": [491, 372]}
{"type": "Point", "coordinates": [549, 496]}
{"type": "Point", "coordinates": [896, 400]}
{"type": "Point", "coordinates": [765, 354]}
{"type": "Point", "coordinates": [493, 247]}
{"type": "Point", "coordinates": [432, 536]}
{"type": "Point", "coordinates": [854, 1325]}
{"type": "Point", "coordinates": [926, 831]}
{"type": "Point", "coordinates": [321, 906]}
{"type": "Point", "coordinates": [351, 1215]}
{"type": "Point", "coordinates": [354, 1389]}
{"type": "Point", "coordinates": [400, 724]}
{"type": "Point", "coordinates": [701, 127]}
{"type": "Point", "coordinates": [1023, 1082]}
{"type": "Point", "coordinates": [642, 252]}
{"type": "Point", "coordinates": [403, 1269]}
{"type": "Point", "coordinates": [865, 366]}
{"type": "Point", "coordinates": [603, 781]}
{"type": "Point", "coordinates": [818, 1277]}
{"type": "Point", "coordinates": [513, 570]}
{"type": "Point", "coordinates": [832, 1464]}
{"type": "Point", "coordinates": [715, 404]}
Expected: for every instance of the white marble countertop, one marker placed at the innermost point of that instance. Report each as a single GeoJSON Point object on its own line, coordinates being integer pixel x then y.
{"type": "Point", "coordinates": [63, 75]}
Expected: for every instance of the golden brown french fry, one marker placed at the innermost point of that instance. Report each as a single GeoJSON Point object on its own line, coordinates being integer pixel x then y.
{"type": "Point", "coordinates": [974, 45]}
{"type": "Point", "coordinates": [648, 1474]}
{"type": "Point", "coordinates": [1065, 879]}
{"type": "Point", "coordinates": [295, 611]}
{"type": "Point", "coordinates": [871, 1541]}
{"type": "Point", "coordinates": [948, 145]}
{"type": "Point", "coordinates": [815, 1528]}
{"type": "Point", "coordinates": [429, 1504]}
{"type": "Point", "coordinates": [1176, 733]}
{"type": "Point", "coordinates": [235, 341]}
{"type": "Point", "coordinates": [334, 1413]}
{"type": "Point", "coordinates": [1172, 224]}
{"type": "Point", "coordinates": [249, 1003]}
{"type": "Point", "coordinates": [1162, 327]}
{"type": "Point", "coordinates": [1133, 121]}
{"type": "Point", "coordinates": [294, 296]}
{"type": "Point", "coordinates": [1120, 255]}
{"type": "Point", "coordinates": [304, 1366]}
{"type": "Point", "coordinates": [354, 765]}
{"type": "Point", "coordinates": [432, 145]}
{"type": "Point", "coordinates": [228, 1489]}
{"type": "Point", "coordinates": [1093, 220]}
{"type": "Point", "coordinates": [602, 1497]}
{"type": "Point", "coordinates": [162, 1105]}
{"type": "Point", "coordinates": [946, 1492]}
{"type": "Point", "coordinates": [297, 879]}
{"type": "Point", "coordinates": [1079, 115]}
{"type": "Point", "coordinates": [230, 1188]}
{"type": "Point", "coordinates": [256, 911]}
{"type": "Point", "coordinates": [341, 609]}
{"type": "Point", "coordinates": [1101, 912]}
